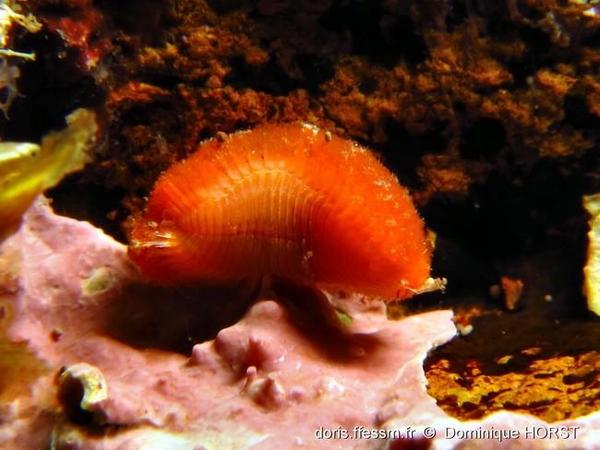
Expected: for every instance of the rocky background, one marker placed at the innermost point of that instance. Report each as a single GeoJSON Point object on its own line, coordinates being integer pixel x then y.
{"type": "Point", "coordinates": [488, 111]}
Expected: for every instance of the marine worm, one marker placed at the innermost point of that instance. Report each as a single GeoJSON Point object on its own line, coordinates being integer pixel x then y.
{"type": "Point", "coordinates": [284, 199]}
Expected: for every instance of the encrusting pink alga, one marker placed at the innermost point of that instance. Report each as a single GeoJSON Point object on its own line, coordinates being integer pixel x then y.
{"type": "Point", "coordinates": [266, 382]}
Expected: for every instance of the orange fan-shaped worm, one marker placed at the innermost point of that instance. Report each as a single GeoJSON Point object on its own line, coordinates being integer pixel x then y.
{"type": "Point", "coordinates": [289, 200]}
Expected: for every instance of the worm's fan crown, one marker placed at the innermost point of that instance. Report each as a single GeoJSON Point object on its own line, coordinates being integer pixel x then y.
{"type": "Point", "coordinates": [289, 200]}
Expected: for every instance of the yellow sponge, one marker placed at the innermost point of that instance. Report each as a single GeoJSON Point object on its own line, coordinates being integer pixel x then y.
{"type": "Point", "coordinates": [591, 286]}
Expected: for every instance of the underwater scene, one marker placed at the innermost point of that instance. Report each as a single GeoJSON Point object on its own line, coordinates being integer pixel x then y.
{"type": "Point", "coordinates": [299, 224]}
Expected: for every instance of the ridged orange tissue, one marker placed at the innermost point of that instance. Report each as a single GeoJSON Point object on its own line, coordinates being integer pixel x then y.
{"type": "Point", "coordinates": [288, 200]}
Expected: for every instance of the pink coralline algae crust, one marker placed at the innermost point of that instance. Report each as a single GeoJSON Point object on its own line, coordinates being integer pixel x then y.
{"type": "Point", "coordinates": [266, 382]}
